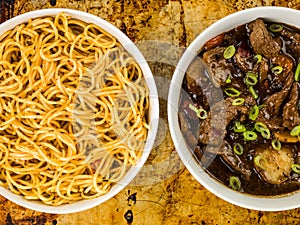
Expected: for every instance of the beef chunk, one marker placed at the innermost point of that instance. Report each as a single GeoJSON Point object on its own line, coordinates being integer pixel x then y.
{"type": "Point", "coordinates": [293, 46]}
{"type": "Point", "coordinates": [234, 161]}
{"type": "Point", "coordinates": [262, 41]}
{"type": "Point", "coordinates": [195, 76]}
{"type": "Point", "coordinates": [187, 130]}
{"type": "Point", "coordinates": [263, 70]}
{"type": "Point", "coordinates": [220, 68]}
{"type": "Point", "coordinates": [272, 103]}
{"type": "Point", "coordinates": [199, 82]}
{"type": "Point", "coordinates": [291, 117]}
{"type": "Point", "coordinates": [285, 61]}
{"type": "Point", "coordinates": [244, 58]}
{"type": "Point", "coordinates": [213, 129]}
{"type": "Point", "coordinates": [293, 36]}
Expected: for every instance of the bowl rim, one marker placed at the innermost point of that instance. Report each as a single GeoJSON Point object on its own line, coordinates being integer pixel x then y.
{"type": "Point", "coordinates": [271, 13]}
{"type": "Point", "coordinates": [82, 205]}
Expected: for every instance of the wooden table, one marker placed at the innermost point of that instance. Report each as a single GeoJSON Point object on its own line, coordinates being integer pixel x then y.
{"type": "Point", "coordinates": [164, 192]}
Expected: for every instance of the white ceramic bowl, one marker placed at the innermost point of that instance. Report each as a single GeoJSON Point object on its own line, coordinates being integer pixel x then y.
{"type": "Point", "coordinates": [153, 112]}
{"type": "Point", "coordinates": [279, 14]}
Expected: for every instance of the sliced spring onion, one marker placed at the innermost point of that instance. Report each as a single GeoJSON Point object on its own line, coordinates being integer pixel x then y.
{"type": "Point", "coordinates": [232, 92]}
{"type": "Point", "coordinates": [201, 113]}
{"type": "Point", "coordinates": [275, 28]}
{"type": "Point", "coordinates": [259, 126]}
{"type": "Point", "coordinates": [295, 131]}
{"type": "Point", "coordinates": [238, 127]}
{"type": "Point", "coordinates": [235, 183]}
{"type": "Point", "coordinates": [276, 144]}
{"type": "Point", "coordinates": [251, 79]}
{"type": "Point", "coordinates": [228, 80]}
{"type": "Point", "coordinates": [258, 58]}
{"type": "Point", "coordinates": [253, 92]}
{"type": "Point", "coordinates": [296, 168]}
{"type": "Point", "coordinates": [253, 113]}
{"type": "Point", "coordinates": [277, 69]}
{"type": "Point", "coordinates": [229, 52]}
{"type": "Point", "coordinates": [259, 161]}
{"type": "Point", "coordinates": [265, 132]}
{"type": "Point", "coordinates": [262, 129]}
{"type": "Point", "coordinates": [297, 72]}
{"type": "Point", "coordinates": [238, 101]}
{"type": "Point", "coordinates": [250, 135]}
{"type": "Point", "coordinates": [238, 149]}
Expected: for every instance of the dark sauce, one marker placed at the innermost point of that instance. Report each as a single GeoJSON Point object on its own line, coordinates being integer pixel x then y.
{"type": "Point", "coordinates": [218, 168]}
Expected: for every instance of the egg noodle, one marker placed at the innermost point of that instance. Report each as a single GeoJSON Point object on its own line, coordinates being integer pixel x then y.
{"type": "Point", "coordinates": [73, 110]}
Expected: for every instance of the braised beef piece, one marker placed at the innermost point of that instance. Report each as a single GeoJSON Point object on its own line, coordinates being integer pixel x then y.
{"type": "Point", "coordinates": [195, 77]}
{"type": "Point", "coordinates": [285, 61]}
{"type": "Point", "coordinates": [199, 83]}
{"type": "Point", "coordinates": [291, 116]}
{"type": "Point", "coordinates": [234, 161]}
{"type": "Point", "coordinates": [293, 43]}
{"type": "Point", "coordinates": [291, 35]}
{"type": "Point", "coordinates": [263, 70]}
{"type": "Point", "coordinates": [220, 67]}
{"type": "Point", "coordinates": [244, 59]}
{"type": "Point", "coordinates": [213, 129]}
{"type": "Point", "coordinates": [262, 41]}
{"type": "Point", "coordinates": [187, 130]}
{"type": "Point", "coordinates": [271, 105]}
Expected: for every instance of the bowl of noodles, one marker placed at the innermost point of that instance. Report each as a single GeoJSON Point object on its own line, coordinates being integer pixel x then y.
{"type": "Point", "coordinates": [79, 110]}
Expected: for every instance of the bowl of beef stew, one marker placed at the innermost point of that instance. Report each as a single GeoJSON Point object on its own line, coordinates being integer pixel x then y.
{"type": "Point", "coordinates": [234, 108]}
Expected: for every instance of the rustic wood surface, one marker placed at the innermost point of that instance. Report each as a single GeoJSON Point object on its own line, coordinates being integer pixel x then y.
{"type": "Point", "coordinates": [164, 192]}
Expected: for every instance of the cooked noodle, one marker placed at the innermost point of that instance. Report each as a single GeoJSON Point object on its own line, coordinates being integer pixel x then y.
{"type": "Point", "coordinates": [73, 110]}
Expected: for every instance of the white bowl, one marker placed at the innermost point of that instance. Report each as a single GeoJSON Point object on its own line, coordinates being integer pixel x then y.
{"type": "Point", "coordinates": [279, 14]}
{"type": "Point", "coordinates": [153, 112]}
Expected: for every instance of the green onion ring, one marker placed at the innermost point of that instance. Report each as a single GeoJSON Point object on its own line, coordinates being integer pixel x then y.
{"type": "Point", "coordinates": [238, 127]}
{"type": "Point", "coordinates": [238, 149]}
{"type": "Point", "coordinates": [257, 161]}
{"type": "Point", "coordinates": [277, 69]}
{"type": "Point", "coordinates": [251, 79]}
{"type": "Point", "coordinates": [297, 72]}
{"type": "Point", "coordinates": [232, 92]}
{"type": "Point", "coordinates": [253, 113]}
{"type": "Point", "coordinates": [201, 113]}
{"type": "Point", "coordinates": [229, 52]}
{"type": "Point", "coordinates": [276, 144]}
{"type": "Point", "coordinates": [295, 131]}
{"type": "Point", "coordinates": [235, 183]}
{"type": "Point", "coordinates": [253, 92]}
{"type": "Point", "coordinates": [265, 132]}
{"type": "Point", "coordinates": [258, 58]}
{"type": "Point", "coordinates": [275, 28]}
{"type": "Point", "coordinates": [259, 126]}
{"type": "Point", "coordinates": [250, 135]}
{"type": "Point", "coordinates": [296, 168]}
{"type": "Point", "coordinates": [238, 101]}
